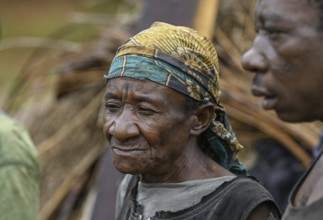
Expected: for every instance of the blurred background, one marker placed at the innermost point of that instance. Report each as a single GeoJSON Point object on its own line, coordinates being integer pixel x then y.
{"type": "Point", "coordinates": [53, 55]}
{"type": "Point", "coordinates": [26, 25]}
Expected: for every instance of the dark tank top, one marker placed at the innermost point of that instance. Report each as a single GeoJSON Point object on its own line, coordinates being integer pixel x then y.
{"type": "Point", "coordinates": [233, 200]}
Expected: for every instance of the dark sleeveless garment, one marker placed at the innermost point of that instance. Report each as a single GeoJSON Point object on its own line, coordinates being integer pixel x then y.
{"type": "Point", "coordinates": [313, 211]}
{"type": "Point", "coordinates": [233, 200]}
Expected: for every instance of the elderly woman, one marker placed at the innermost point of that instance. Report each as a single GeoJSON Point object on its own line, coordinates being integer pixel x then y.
{"type": "Point", "coordinates": [166, 127]}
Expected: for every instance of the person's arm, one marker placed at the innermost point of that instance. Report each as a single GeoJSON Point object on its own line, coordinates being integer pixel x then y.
{"type": "Point", "coordinates": [19, 198]}
{"type": "Point", "coordinates": [263, 212]}
{"type": "Point", "coordinates": [19, 173]}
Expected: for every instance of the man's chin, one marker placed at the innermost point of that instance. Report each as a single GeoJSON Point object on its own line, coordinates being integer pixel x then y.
{"type": "Point", "coordinates": [294, 117]}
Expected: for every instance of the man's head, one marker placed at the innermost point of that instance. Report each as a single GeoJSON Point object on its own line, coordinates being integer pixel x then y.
{"type": "Point", "coordinates": [162, 88]}
{"type": "Point", "coordinates": [286, 58]}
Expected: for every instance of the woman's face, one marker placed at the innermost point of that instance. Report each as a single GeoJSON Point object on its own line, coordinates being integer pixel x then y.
{"type": "Point", "coordinates": [147, 127]}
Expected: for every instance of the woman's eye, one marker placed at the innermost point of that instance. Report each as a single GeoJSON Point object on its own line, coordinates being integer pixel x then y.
{"type": "Point", "coordinates": [111, 107]}
{"type": "Point", "coordinates": [145, 110]}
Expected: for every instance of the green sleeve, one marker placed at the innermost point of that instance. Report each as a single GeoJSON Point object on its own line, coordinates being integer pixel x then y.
{"type": "Point", "coordinates": [19, 173]}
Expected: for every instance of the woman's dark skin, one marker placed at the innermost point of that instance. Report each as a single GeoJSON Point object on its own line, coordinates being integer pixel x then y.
{"type": "Point", "coordinates": [152, 135]}
{"type": "Point", "coordinates": [140, 126]}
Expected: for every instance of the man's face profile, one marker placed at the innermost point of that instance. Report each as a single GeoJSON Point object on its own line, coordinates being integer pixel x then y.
{"type": "Point", "coordinates": [284, 58]}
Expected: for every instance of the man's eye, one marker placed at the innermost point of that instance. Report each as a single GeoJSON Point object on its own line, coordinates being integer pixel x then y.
{"type": "Point", "coordinates": [274, 33]}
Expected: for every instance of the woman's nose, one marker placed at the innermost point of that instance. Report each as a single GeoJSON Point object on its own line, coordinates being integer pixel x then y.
{"type": "Point", "coordinates": [124, 127]}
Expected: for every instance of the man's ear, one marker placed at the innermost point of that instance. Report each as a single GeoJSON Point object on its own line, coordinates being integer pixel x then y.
{"type": "Point", "coordinates": [202, 117]}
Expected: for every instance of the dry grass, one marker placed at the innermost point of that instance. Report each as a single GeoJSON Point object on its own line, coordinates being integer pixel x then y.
{"type": "Point", "coordinates": [59, 98]}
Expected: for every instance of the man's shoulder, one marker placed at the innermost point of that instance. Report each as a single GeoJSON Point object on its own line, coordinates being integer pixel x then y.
{"type": "Point", "coordinates": [310, 188]}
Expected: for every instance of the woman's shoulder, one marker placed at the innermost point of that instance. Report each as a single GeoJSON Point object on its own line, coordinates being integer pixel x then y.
{"type": "Point", "coordinates": [248, 193]}
{"type": "Point", "coordinates": [247, 187]}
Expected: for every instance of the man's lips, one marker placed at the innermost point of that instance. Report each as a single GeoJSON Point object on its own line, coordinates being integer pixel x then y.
{"type": "Point", "coordinates": [269, 101]}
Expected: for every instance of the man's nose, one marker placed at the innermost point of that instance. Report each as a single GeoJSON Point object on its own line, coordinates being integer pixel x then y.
{"type": "Point", "coordinates": [124, 126]}
{"type": "Point", "coordinates": [253, 60]}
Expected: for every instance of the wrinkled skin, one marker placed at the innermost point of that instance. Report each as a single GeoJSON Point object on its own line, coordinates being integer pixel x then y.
{"type": "Point", "coordinates": [152, 135]}
{"type": "Point", "coordinates": [286, 58]}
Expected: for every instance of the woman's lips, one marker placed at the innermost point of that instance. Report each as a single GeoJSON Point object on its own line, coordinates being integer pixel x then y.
{"type": "Point", "coordinates": [126, 151]}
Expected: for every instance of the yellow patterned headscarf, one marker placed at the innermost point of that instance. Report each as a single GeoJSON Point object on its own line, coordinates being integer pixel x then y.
{"type": "Point", "coordinates": [184, 60]}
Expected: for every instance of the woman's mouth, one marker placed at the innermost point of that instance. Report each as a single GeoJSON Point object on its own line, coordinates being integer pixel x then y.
{"type": "Point", "coordinates": [126, 151]}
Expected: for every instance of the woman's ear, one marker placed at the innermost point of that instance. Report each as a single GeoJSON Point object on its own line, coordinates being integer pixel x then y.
{"type": "Point", "coordinates": [202, 117]}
